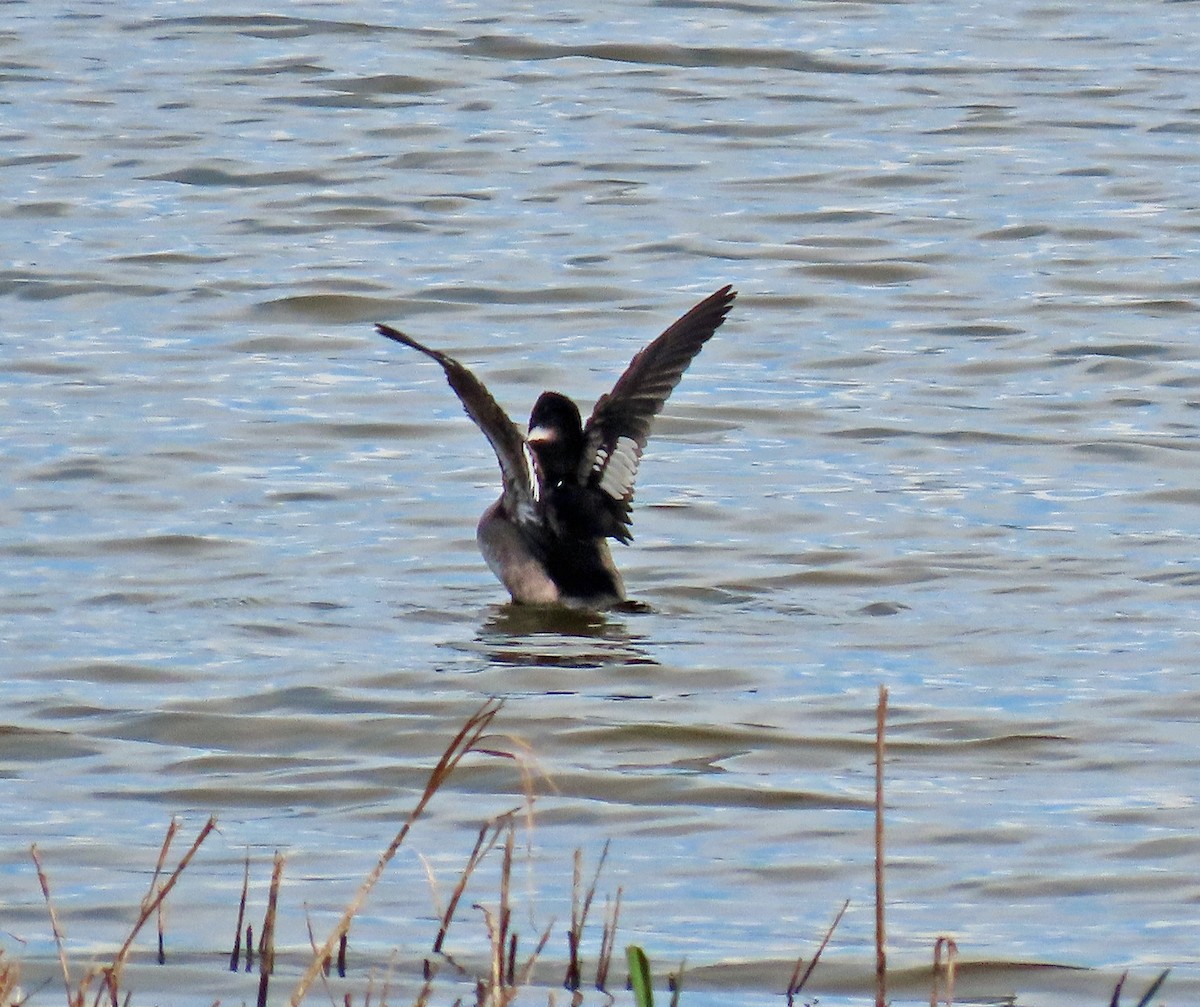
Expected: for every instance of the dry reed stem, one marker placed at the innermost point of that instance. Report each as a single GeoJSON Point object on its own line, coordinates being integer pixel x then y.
{"type": "Point", "coordinates": [312, 943]}
{"type": "Point", "coordinates": [162, 945]}
{"type": "Point", "coordinates": [495, 978]}
{"type": "Point", "coordinates": [675, 983]}
{"type": "Point", "coordinates": [943, 973]}
{"type": "Point", "coordinates": [498, 927]}
{"type": "Point", "coordinates": [880, 929]}
{"type": "Point", "coordinates": [150, 904]}
{"type": "Point", "coordinates": [507, 935]}
{"type": "Point", "coordinates": [795, 986]}
{"type": "Point", "coordinates": [485, 842]}
{"type": "Point", "coordinates": [528, 768]}
{"type": "Point", "coordinates": [10, 981]}
{"type": "Point", "coordinates": [327, 965]}
{"type": "Point", "coordinates": [573, 978]}
{"type": "Point", "coordinates": [1146, 997]}
{"type": "Point", "coordinates": [172, 828]}
{"type": "Point", "coordinates": [517, 979]}
{"type": "Point", "coordinates": [608, 937]}
{"type": "Point", "coordinates": [266, 959]}
{"type": "Point", "coordinates": [54, 927]}
{"type": "Point", "coordinates": [522, 977]}
{"type": "Point", "coordinates": [387, 979]}
{"type": "Point", "coordinates": [235, 954]}
{"type": "Point", "coordinates": [505, 980]}
{"type": "Point", "coordinates": [431, 879]}
{"type": "Point", "coordinates": [425, 993]}
{"type": "Point", "coordinates": [464, 741]}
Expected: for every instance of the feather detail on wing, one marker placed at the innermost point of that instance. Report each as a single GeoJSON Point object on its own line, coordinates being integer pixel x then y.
{"type": "Point", "coordinates": [619, 427]}
{"type": "Point", "coordinates": [522, 489]}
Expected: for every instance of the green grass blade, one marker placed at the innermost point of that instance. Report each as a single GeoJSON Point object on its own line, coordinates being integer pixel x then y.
{"type": "Point", "coordinates": [639, 976]}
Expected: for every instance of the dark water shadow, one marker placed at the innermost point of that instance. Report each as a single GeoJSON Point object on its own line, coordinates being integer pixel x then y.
{"type": "Point", "coordinates": [512, 620]}
{"type": "Point", "coordinates": [556, 636]}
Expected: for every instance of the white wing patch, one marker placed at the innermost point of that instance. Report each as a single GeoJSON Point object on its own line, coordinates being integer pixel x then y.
{"type": "Point", "coordinates": [527, 505]}
{"type": "Point", "coordinates": [531, 476]}
{"type": "Point", "coordinates": [618, 469]}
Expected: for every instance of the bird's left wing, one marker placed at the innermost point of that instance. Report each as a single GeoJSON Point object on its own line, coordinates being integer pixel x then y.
{"type": "Point", "coordinates": [616, 433]}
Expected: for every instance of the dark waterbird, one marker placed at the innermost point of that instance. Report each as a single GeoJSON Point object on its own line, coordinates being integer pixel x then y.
{"type": "Point", "coordinates": [568, 486]}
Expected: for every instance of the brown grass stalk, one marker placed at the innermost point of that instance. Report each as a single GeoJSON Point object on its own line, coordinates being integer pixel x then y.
{"type": "Point", "coordinates": [522, 976]}
{"type": "Point", "coordinates": [579, 915]}
{"type": "Point", "coordinates": [943, 976]}
{"type": "Point", "coordinates": [497, 924]}
{"type": "Point", "coordinates": [172, 829]}
{"type": "Point", "coordinates": [571, 979]}
{"type": "Point", "coordinates": [150, 906]}
{"type": "Point", "coordinates": [328, 964]}
{"type": "Point", "coordinates": [266, 958]}
{"type": "Point", "coordinates": [495, 980]}
{"type": "Point", "coordinates": [425, 993]}
{"type": "Point", "coordinates": [236, 954]}
{"type": "Point", "coordinates": [505, 979]}
{"type": "Point", "coordinates": [796, 983]}
{"type": "Point", "coordinates": [154, 899]}
{"type": "Point", "coordinates": [54, 927]}
{"type": "Point", "coordinates": [675, 983]}
{"type": "Point", "coordinates": [516, 978]}
{"type": "Point", "coordinates": [10, 981]}
{"type": "Point", "coordinates": [608, 937]}
{"type": "Point", "coordinates": [485, 842]}
{"type": "Point", "coordinates": [506, 937]}
{"type": "Point", "coordinates": [465, 741]}
{"type": "Point", "coordinates": [162, 944]}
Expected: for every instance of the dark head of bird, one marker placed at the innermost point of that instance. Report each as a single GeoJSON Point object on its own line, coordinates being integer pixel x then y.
{"type": "Point", "coordinates": [555, 436]}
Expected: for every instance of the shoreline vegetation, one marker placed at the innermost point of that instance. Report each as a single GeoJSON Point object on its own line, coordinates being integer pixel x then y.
{"type": "Point", "coordinates": [510, 964]}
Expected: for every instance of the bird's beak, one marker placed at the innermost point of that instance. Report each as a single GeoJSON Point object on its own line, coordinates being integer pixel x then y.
{"type": "Point", "coordinates": [541, 435]}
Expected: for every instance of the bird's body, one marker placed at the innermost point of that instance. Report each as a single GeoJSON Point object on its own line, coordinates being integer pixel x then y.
{"type": "Point", "coordinates": [567, 486]}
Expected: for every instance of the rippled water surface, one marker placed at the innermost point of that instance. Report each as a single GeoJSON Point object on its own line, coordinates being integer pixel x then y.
{"type": "Point", "coordinates": [947, 442]}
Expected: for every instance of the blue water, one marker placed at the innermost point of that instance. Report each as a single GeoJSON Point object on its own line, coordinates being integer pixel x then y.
{"type": "Point", "coordinates": [946, 443]}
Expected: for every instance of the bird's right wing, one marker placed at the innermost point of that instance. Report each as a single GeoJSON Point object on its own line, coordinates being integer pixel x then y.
{"type": "Point", "coordinates": [522, 489]}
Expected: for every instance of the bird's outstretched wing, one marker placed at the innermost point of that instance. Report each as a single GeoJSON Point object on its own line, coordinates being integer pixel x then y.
{"type": "Point", "coordinates": [616, 433]}
{"type": "Point", "coordinates": [521, 487]}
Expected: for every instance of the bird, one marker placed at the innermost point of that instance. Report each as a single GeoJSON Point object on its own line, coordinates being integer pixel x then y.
{"type": "Point", "coordinates": [567, 486]}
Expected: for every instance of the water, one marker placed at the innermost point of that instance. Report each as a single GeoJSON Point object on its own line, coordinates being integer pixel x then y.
{"type": "Point", "coordinates": [946, 443]}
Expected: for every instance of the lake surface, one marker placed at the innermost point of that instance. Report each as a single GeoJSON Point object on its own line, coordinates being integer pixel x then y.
{"type": "Point", "coordinates": [948, 442]}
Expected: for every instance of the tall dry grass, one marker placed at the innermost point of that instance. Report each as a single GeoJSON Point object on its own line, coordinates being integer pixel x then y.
{"type": "Point", "coordinates": [510, 958]}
